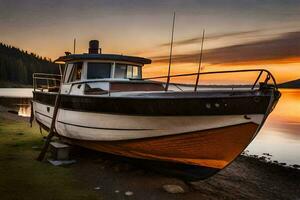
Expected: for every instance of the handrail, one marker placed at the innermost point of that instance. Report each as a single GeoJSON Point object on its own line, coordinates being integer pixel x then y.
{"type": "Point", "coordinates": [55, 79]}
{"type": "Point", "coordinates": [260, 73]}
{"type": "Point", "coordinates": [221, 72]}
{"type": "Point", "coordinates": [45, 74]}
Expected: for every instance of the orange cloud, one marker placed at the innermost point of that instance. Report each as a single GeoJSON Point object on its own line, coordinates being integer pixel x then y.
{"type": "Point", "coordinates": [283, 47]}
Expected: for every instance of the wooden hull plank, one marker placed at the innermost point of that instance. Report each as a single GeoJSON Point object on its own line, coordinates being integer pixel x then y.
{"type": "Point", "coordinates": [214, 148]}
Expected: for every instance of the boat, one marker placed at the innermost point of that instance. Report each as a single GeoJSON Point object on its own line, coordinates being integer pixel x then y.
{"type": "Point", "coordinates": [191, 131]}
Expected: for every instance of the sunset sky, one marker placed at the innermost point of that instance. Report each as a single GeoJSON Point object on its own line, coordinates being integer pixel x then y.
{"type": "Point", "coordinates": [239, 34]}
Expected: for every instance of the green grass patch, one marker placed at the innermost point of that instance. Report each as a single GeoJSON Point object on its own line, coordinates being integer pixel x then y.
{"type": "Point", "coordinates": [22, 177]}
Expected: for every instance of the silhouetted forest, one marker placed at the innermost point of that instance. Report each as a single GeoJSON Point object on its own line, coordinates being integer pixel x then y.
{"type": "Point", "coordinates": [290, 84]}
{"type": "Point", "coordinates": [17, 66]}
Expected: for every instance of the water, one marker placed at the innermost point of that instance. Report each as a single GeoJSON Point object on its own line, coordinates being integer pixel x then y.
{"type": "Point", "coordinates": [279, 137]}
{"type": "Point", "coordinates": [17, 100]}
{"type": "Point", "coordinates": [16, 92]}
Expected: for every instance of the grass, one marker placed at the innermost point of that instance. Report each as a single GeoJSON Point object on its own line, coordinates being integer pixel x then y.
{"type": "Point", "coordinates": [22, 177]}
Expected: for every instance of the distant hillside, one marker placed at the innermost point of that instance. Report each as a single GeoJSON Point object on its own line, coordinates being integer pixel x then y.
{"type": "Point", "coordinates": [290, 84]}
{"type": "Point", "coordinates": [17, 66]}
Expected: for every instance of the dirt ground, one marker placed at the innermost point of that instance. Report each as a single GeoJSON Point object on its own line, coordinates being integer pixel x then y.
{"type": "Point", "coordinates": [104, 176]}
{"type": "Point", "coordinates": [245, 178]}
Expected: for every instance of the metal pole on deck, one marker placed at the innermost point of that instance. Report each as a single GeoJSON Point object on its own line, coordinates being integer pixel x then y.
{"type": "Point", "coordinates": [170, 58]}
{"type": "Point", "coordinates": [200, 61]}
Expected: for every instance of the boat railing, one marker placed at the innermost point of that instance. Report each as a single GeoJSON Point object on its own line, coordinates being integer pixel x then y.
{"type": "Point", "coordinates": [51, 82]}
{"type": "Point", "coordinates": [268, 79]}
{"type": "Point", "coordinates": [46, 82]}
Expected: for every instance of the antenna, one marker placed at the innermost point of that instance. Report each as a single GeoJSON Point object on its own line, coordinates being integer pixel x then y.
{"type": "Point", "coordinates": [74, 50]}
{"type": "Point", "coordinates": [200, 61]}
{"type": "Point", "coordinates": [170, 58]}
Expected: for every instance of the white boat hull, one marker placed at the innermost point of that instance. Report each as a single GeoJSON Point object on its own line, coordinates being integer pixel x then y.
{"type": "Point", "coordinates": [112, 127]}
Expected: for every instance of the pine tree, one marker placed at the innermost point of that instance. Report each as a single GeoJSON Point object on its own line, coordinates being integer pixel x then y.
{"type": "Point", "coordinates": [18, 65]}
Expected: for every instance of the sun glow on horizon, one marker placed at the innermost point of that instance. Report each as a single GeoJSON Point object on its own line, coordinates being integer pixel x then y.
{"type": "Point", "coordinates": [283, 70]}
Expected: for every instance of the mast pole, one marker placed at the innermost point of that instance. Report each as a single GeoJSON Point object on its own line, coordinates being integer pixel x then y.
{"type": "Point", "coordinates": [200, 61]}
{"type": "Point", "coordinates": [170, 58]}
{"type": "Point", "coordinates": [74, 47]}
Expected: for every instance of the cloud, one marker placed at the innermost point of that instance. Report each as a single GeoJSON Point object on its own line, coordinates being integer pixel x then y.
{"type": "Point", "coordinates": [285, 46]}
{"type": "Point", "coordinates": [212, 37]}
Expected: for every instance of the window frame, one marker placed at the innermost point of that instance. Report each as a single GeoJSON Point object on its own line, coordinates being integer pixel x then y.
{"type": "Point", "coordinates": [102, 62]}
{"type": "Point", "coordinates": [69, 73]}
{"type": "Point", "coordinates": [132, 65]}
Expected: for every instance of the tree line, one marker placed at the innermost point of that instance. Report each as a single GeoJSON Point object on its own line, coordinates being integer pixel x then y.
{"type": "Point", "coordinates": [17, 66]}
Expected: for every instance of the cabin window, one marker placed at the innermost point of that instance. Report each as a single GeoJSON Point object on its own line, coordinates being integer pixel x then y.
{"type": "Point", "coordinates": [127, 71]}
{"type": "Point", "coordinates": [120, 71]}
{"type": "Point", "coordinates": [136, 72]}
{"type": "Point", "coordinates": [73, 72]}
{"type": "Point", "coordinates": [98, 70]}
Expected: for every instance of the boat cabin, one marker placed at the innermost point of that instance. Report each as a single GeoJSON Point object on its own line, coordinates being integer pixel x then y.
{"type": "Point", "coordinates": [100, 74]}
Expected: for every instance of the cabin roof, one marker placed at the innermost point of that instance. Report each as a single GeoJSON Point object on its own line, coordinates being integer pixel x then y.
{"type": "Point", "coordinates": [114, 57]}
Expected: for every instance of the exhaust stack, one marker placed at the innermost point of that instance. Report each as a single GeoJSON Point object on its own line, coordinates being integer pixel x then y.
{"type": "Point", "coordinates": [94, 47]}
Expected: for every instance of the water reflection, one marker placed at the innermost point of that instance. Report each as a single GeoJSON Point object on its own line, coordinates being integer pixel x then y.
{"type": "Point", "coordinates": [280, 135]}
{"type": "Point", "coordinates": [24, 110]}
{"type": "Point", "coordinates": [20, 106]}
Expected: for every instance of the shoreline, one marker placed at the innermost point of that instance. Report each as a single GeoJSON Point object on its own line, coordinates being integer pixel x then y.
{"type": "Point", "coordinates": [246, 178]}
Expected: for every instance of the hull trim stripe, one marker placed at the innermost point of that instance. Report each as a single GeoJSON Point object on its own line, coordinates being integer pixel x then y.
{"type": "Point", "coordinates": [102, 128]}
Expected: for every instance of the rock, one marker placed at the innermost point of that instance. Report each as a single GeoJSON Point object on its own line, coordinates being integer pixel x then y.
{"type": "Point", "coordinates": [122, 167]}
{"type": "Point", "coordinates": [283, 164]}
{"type": "Point", "coordinates": [296, 166]}
{"type": "Point", "coordinates": [245, 153]}
{"type": "Point", "coordinates": [128, 193]}
{"type": "Point", "coordinates": [117, 191]}
{"type": "Point", "coordinates": [61, 162]}
{"type": "Point", "coordinates": [267, 154]}
{"type": "Point", "coordinates": [98, 160]}
{"type": "Point", "coordinates": [173, 189]}
{"type": "Point", "coordinates": [263, 158]}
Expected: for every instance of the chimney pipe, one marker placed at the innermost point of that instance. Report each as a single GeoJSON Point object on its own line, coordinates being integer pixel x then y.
{"type": "Point", "coordinates": [94, 47]}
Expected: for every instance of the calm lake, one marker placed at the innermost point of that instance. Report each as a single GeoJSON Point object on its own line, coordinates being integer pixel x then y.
{"type": "Point", "coordinates": [279, 137]}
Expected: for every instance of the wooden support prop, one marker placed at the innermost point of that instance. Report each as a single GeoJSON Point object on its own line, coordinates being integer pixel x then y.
{"type": "Point", "coordinates": [31, 114]}
{"type": "Point", "coordinates": [51, 131]}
